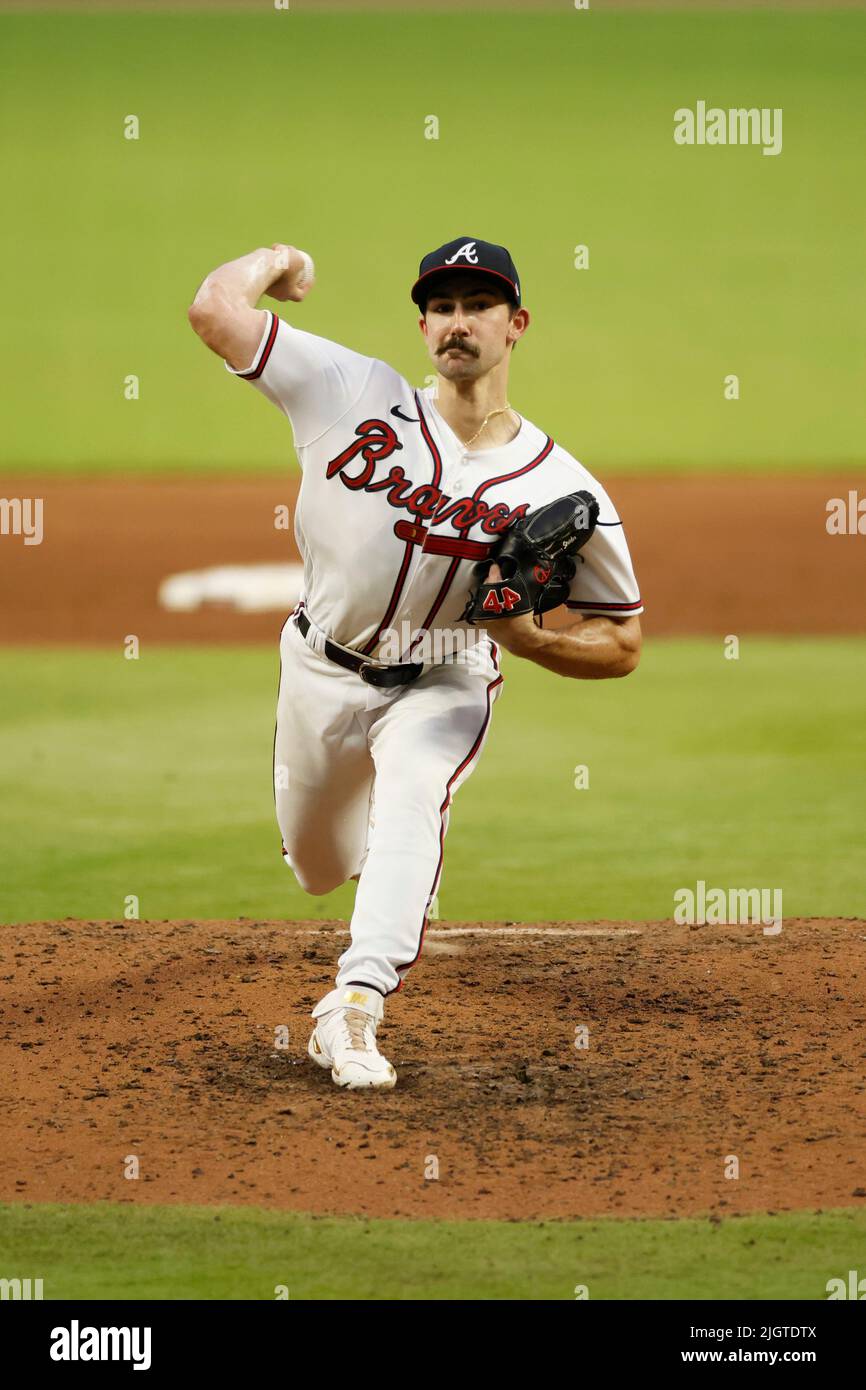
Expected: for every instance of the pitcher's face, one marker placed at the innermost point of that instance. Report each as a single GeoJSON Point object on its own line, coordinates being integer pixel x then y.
{"type": "Point", "coordinates": [469, 325]}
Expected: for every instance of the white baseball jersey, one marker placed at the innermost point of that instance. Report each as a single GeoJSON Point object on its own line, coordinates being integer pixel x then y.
{"type": "Point", "coordinates": [394, 511]}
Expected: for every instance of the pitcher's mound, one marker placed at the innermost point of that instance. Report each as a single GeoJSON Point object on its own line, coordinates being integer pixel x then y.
{"type": "Point", "coordinates": [558, 1070]}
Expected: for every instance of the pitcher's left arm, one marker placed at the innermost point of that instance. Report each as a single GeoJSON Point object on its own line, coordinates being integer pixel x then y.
{"type": "Point", "coordinates": [591, 648]}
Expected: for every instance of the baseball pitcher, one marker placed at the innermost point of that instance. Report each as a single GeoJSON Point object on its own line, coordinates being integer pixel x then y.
{"type": "Point", "coordinates": [435, 527]}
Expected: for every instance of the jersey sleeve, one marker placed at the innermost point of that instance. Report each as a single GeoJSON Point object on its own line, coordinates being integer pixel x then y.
{"type": "Point", "coordinates": [605, 582]}
{"type": "Point", "coordinates": [312, 380]}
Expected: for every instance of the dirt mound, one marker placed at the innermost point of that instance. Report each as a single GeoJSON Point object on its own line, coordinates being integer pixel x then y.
{"type": "Point", "coordinates": [158, 1040]}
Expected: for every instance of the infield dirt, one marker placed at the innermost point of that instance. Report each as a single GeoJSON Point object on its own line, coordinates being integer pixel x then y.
{"type": "Point", "coordinates": [158, 1040]}
{"type": "Point", "coordinates": [713, 556]}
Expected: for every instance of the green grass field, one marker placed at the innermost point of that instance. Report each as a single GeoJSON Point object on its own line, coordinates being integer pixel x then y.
{"type": "Point", "coordinates": [108, 1251]}
{"type": "Point", "coordinates": [555, 130]}
{"type": "Point", "coordinates": [153, 777]}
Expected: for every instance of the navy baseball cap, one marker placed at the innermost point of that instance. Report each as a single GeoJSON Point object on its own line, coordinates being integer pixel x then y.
{"type": "Point", "coordinates": [467, 253]}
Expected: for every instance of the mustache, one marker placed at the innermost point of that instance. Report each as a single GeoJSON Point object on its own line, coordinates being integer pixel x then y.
{"type": "Point", "coordinates": [458, 343]}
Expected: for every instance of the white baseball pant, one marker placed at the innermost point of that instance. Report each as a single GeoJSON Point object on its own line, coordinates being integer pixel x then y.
{"type": "Point", "coordinates": [340, 745]}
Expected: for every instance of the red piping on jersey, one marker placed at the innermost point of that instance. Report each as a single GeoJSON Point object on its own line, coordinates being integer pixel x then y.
{"type": "Point", "coordinates": [612, 607]}
{"type": "Point", "coordinates": [255, 372]}
{"type": "Point", "coordinates": [444, 807]}
{"type": "Point", "coordinates": [518, 473]}
{"type": "Point", "coordinates": [429, 441]}
{"type": "Point", "coordinates": [452, 568]}
{"type": "Point", "coordinates": [394, 599]}
{"type": "Point", "coordinates": [438, 601]}
{"type": "Point", "coordinates": [407, 554]}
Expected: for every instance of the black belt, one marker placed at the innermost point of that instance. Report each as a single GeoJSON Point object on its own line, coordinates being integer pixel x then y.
{"type": "Point", "coordinates": [382, 676]}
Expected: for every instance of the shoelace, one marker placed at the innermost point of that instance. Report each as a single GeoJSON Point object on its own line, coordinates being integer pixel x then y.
{"type": "Point", "coordinates": [356, 1027]}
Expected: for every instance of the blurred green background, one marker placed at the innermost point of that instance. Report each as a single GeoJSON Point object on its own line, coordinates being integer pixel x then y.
{"type": "Point", "coordinates": [153, 778]}
{"type": "Point", "coordinates": [555, 130]}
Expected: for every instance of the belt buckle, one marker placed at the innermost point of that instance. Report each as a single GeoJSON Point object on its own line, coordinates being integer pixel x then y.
{"type": "Point", "coordinates": [371, 674]}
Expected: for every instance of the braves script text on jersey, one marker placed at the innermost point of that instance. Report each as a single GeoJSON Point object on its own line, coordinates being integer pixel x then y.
{"type": "Point", "coordinates": [392, 515]}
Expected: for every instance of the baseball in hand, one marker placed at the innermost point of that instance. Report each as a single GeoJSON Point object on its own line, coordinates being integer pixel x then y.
{"type": "Point", "coordinates": [308, 273]}
{"type": "Point", "coordinates": [298, 273]}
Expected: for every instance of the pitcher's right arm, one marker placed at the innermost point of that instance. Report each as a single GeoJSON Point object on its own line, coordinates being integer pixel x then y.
{"type": "Point", "coordinates": [223, 312]}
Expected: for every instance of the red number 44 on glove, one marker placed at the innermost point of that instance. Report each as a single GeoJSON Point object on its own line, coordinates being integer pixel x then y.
{"type": "Point", "coordinates": [501, 599]}
{"type": "Point", "coordinates": [536, 559]}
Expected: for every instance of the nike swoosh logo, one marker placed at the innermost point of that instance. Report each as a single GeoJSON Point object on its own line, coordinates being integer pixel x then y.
{"type": "Point", "coordinates": [410, 419]}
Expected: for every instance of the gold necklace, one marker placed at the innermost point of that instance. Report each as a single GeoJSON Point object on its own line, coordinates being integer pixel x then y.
{"type": "Point", "coordinates": [501, 411]}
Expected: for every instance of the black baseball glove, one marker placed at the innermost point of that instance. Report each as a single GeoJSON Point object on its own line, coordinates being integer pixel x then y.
{"type": "Point", "coordinates": [535, 560]}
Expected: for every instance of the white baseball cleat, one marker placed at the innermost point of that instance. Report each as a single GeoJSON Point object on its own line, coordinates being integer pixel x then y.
{"type": "Point", "coordinates": [344, 1038]}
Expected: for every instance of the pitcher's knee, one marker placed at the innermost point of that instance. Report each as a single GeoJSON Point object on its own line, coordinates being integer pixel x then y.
{"type": "Point", "coordinates": [315, 878]}
{"type": "Point", "coordinates": [318, 884]}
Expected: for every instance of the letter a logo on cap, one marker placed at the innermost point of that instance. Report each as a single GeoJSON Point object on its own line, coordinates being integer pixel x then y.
{"type": "Point", "coordinates": [467, 250]}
